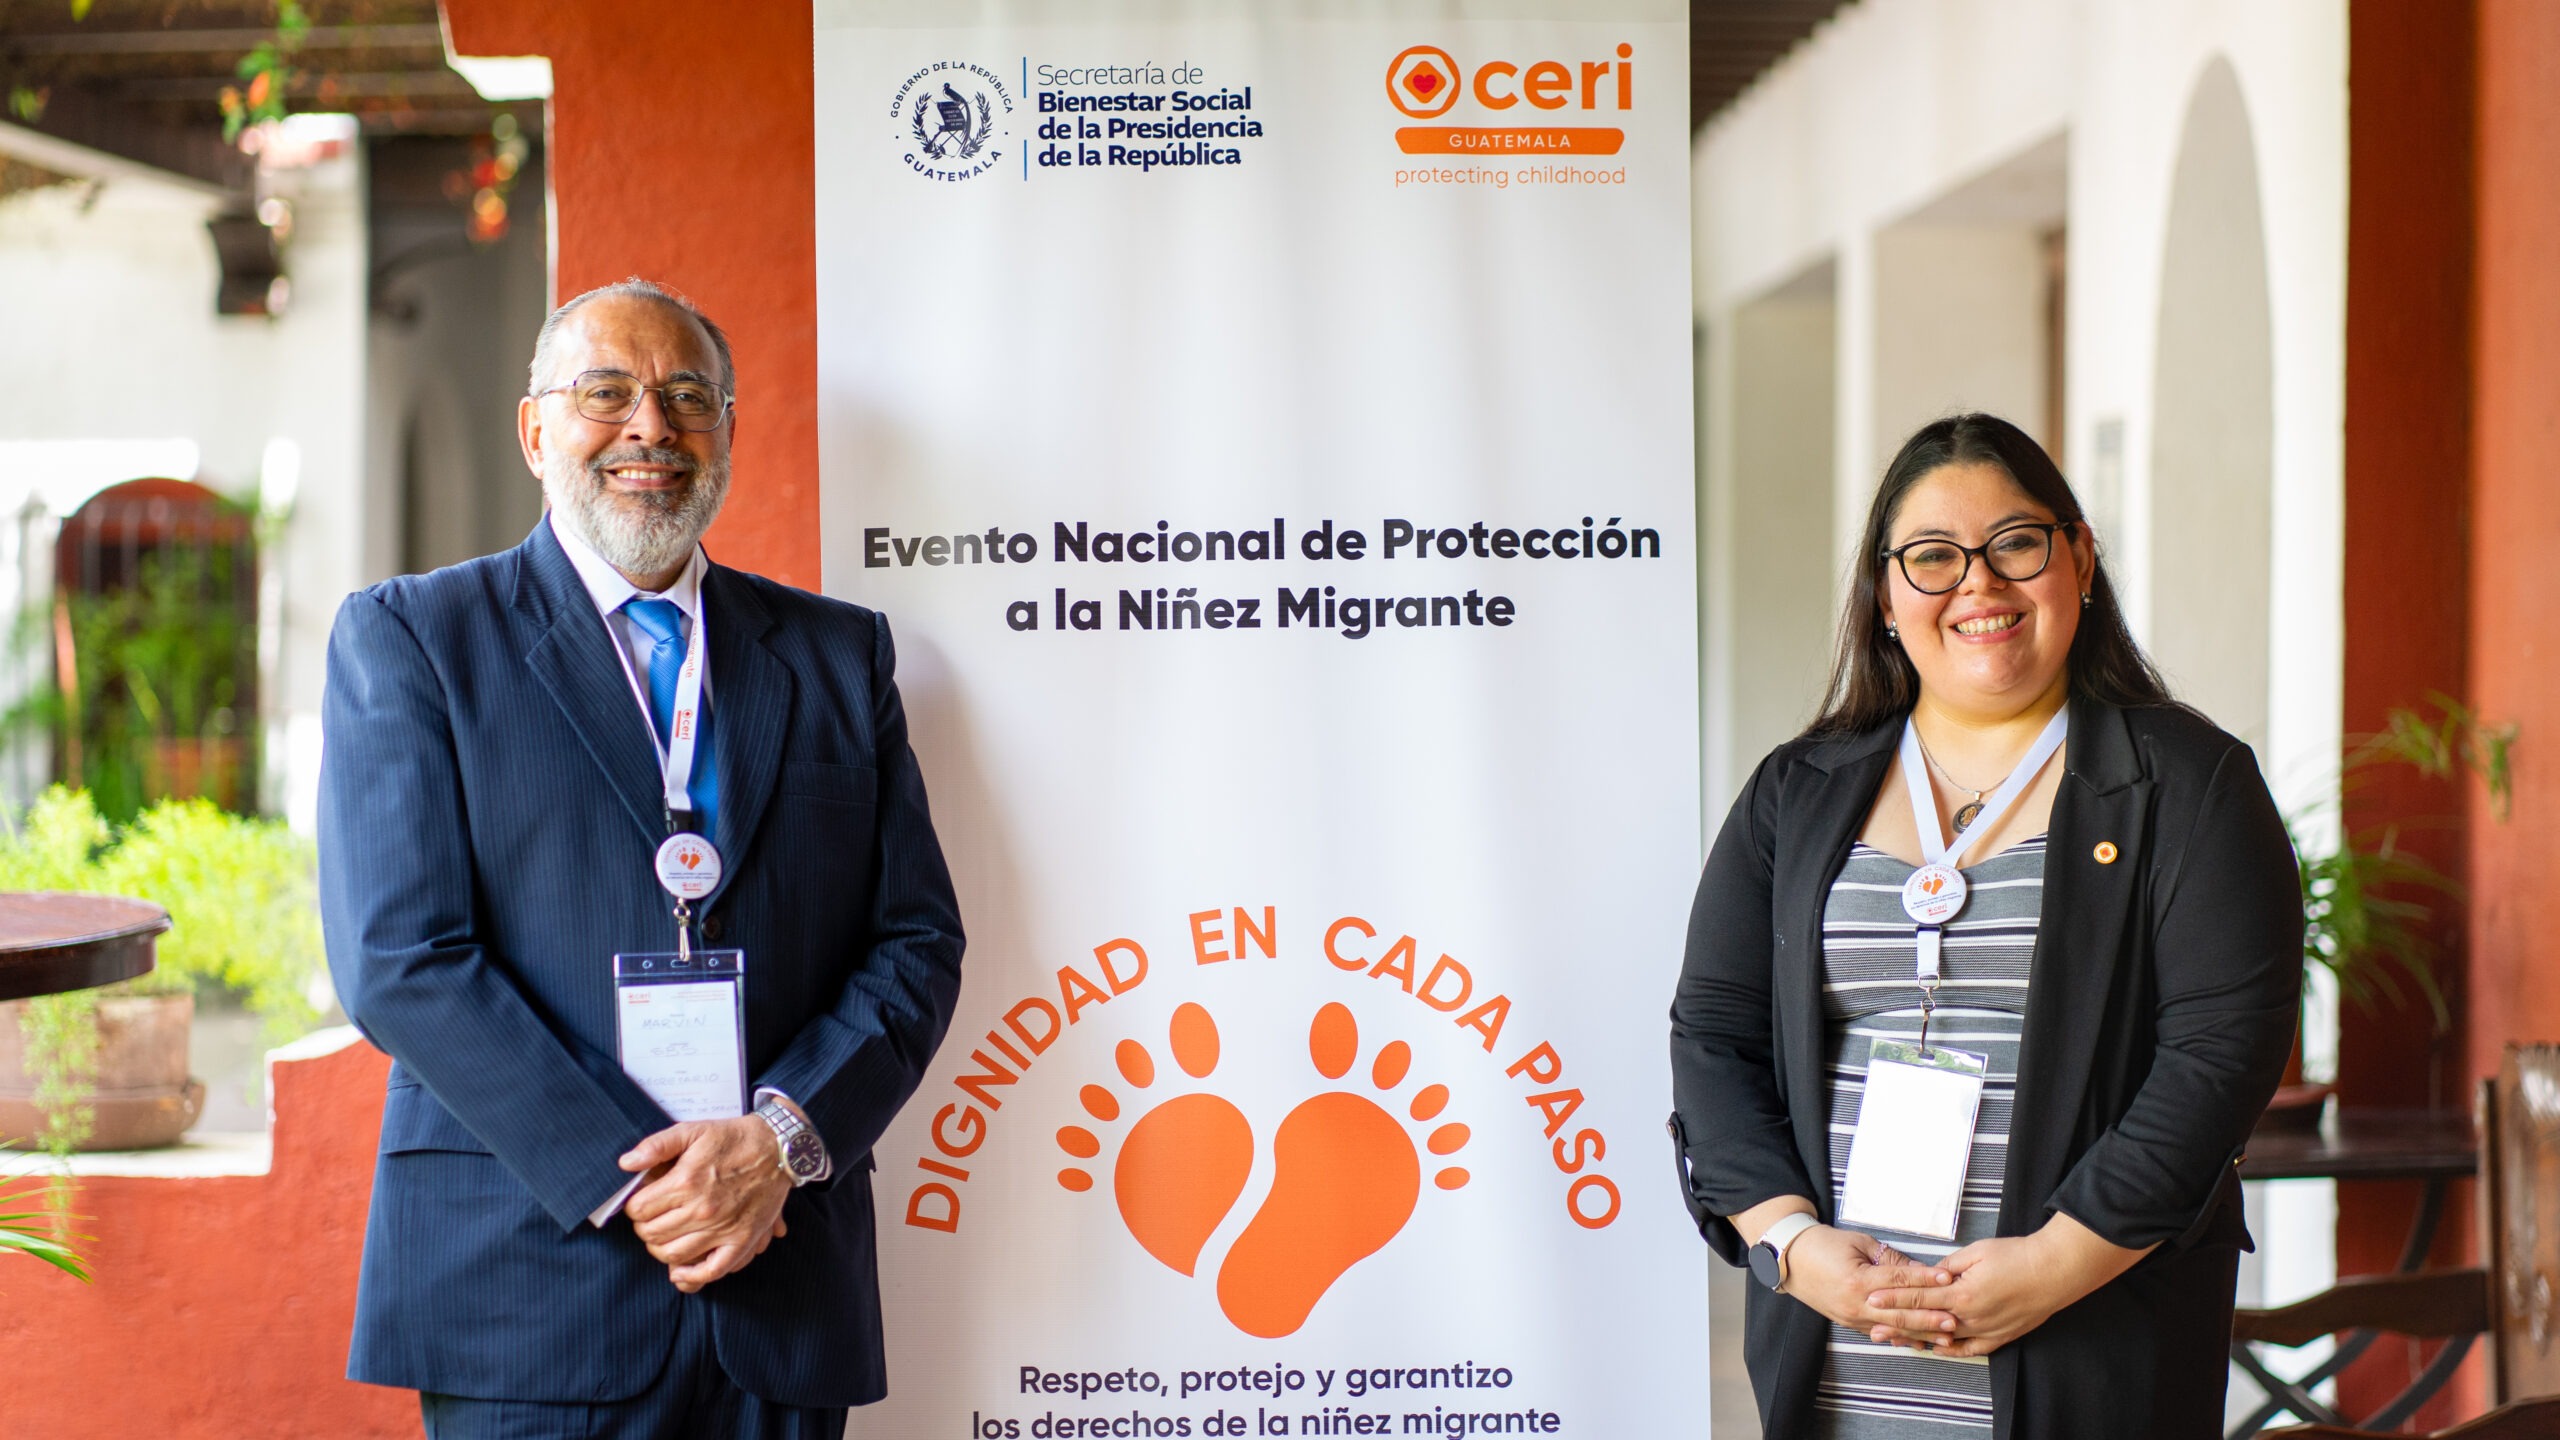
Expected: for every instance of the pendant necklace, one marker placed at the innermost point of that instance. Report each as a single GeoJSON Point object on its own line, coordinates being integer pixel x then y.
{"type": "Point", "coordinates": [1971, 810]}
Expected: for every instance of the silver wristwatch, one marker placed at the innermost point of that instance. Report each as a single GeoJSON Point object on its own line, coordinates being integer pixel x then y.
{"type": "Point", "coordinates": [804, 1155]}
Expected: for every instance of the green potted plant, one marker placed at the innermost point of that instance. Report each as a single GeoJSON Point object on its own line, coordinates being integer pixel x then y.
{"type": "Point", "coordinates": [148, 694]}
{"type": "Point", "coordinates": [26, 1229]}
{"type": "Point", "coordinates": [107, 1068]}
{"type": "Point", "coordinates": [2367, 903]}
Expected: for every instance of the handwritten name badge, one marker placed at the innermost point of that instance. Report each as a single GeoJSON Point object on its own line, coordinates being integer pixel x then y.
{"type": "Point", "coordinates": [679, 1024]}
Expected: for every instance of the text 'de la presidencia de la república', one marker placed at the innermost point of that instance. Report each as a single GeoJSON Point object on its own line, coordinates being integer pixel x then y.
{"type": "Point", "coordinates": [1139, 116]}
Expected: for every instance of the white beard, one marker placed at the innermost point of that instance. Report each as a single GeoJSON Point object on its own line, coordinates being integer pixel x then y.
{"type": "Point", "coordinates": [636, 533]}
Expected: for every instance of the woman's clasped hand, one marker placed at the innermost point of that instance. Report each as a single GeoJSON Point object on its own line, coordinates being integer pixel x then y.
{"type": "Point", "coordinates": [1990, 1292]}
{"type": "Point", "coordinates": [1845, 1274]}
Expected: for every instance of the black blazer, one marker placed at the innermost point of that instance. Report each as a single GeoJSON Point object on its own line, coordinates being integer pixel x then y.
{"type": "Point", "coordinates": [2163, 997]}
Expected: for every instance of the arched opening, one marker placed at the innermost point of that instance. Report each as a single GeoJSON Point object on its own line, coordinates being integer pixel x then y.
{"type": "Point", "coordinates": [2213, 420]}
{"type": "Point", "coordinates": [155, 633]}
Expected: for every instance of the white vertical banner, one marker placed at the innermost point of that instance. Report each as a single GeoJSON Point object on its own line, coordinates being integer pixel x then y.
{"type": "Point", "coordinates": [1268, 434]}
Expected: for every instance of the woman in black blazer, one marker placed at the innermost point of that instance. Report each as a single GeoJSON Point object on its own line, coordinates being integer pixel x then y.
{"type": "Point", "coordinates": [2160, 968]}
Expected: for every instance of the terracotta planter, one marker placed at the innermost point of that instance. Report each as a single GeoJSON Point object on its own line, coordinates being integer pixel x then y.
{"type": "Point", "coordinates": [144, 1097]}
{"type": "Point", "coordinates": [2296, 1109]}
{"type": "Point", "coordinates": [183, 769]}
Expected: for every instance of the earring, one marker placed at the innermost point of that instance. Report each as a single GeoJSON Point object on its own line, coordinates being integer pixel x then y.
{"type": "Point", "coordinates": [1892, 631]}
{"type": "Point", "coordinates": [2085, 601]}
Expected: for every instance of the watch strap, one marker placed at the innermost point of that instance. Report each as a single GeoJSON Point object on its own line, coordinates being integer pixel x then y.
{"type": "Point", "coordinates": [798, 1151]}
{"type": "Point", "coordinates": [1782, 1234]}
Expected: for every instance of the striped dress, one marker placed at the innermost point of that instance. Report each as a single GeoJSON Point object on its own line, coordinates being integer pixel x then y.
{"type": "Point", "coordinates": [1881, 1392]}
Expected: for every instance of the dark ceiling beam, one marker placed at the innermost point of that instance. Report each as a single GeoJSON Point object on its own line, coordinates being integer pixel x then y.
{"type": "Point", "coordinates": [391, 84]}
{"type": "Point", "coordinates": [1732, 43]}
{"type": "Point", "coordinates": [217, 42]}
{"type": "Point", "coordinates": [99, 124]}
{"type": "Point", "coordinates": [430, 111]}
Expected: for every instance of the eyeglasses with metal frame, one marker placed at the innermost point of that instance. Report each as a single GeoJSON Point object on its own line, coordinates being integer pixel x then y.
{"type": "Point", "coordinates": [610, 397]}
{"type": "Point", "coordinates": [1934, 566]}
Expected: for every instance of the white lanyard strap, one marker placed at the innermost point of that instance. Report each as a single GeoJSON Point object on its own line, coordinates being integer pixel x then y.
{"type": "Point", "coordinates": [1944, 883]}
{"type": "Point", "coordinates": [677, 744]}
{"type": "Point", "coordinates": [1936, 848]}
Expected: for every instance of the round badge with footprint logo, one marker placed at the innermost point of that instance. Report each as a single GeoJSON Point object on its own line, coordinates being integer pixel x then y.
{"type": "Point", "coordinates": [688, 866]}
{"type": "Point", "coordinates": [1346, 1171]}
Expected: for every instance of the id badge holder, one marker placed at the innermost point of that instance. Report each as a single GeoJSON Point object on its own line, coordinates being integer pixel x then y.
{"type": "Point", "coordinates": [1914, 1138]}
{"type": "Point", "coordinates": [680, 1030]}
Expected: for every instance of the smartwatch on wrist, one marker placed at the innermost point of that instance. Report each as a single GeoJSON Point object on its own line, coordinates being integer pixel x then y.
{"type": "Point", "coordinates": [1769, 1256]}
{"type": "Point", "coordinates": [803, 1156]}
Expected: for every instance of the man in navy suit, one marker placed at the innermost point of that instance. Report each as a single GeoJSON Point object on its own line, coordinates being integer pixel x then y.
{"type": "Point", "coordinates": [548, 1254]}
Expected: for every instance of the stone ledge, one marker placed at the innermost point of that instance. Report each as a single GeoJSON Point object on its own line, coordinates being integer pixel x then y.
{"type": "Point", "coordinates": [202, 1153]}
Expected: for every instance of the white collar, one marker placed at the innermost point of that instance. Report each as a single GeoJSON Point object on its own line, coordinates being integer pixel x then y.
{"type": "Point", "coordinates": [610, 588]}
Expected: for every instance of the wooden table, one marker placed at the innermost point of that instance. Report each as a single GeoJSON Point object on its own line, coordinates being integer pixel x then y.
{"type": "Point", "coordinates": [55, 942]}
{"type": "Point", "coordinates": [2435, 1147]}
{"type": "Point", "coordinates": [2358, 1144]}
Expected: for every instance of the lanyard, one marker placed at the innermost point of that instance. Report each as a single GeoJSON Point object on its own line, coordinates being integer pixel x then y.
{"type": "Point", "coordinates": [675, 749]}
{"type": "Point", "coordinates": [688, 864]}
{"type": "Point", "coordinates": [1935, 893]}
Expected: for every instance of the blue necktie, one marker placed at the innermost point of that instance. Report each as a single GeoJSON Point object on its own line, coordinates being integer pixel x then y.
{"type": "Point", "coordinates": [661, 624]}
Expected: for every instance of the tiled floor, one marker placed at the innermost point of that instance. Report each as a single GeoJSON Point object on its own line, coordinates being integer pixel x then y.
{"type": "Point", "coordinates": [1735, 1415]}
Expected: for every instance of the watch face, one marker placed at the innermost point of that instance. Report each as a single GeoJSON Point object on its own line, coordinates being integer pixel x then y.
{"type": "Point", "coordinates": [801, 1151]}
{"type": "Point", "coordinates": [1764, 1265]}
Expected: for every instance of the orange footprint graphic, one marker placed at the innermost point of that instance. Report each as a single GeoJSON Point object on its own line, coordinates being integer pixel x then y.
{"type": "Point", "coordinates": [1345, 1179]}
{"type": "Point", "coordinates": [1183, 1163]}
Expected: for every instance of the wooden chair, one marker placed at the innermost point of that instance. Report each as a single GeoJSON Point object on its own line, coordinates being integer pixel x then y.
{"type": "Point", "coordinates": [2523, 1420]}
{"type": "Point", "coordinates": [2514, 1300]}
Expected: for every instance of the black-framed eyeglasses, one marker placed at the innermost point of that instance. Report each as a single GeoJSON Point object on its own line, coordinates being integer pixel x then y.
{"type": "Point", "coordinates": [610, 397]}
{"type": "Point", "coordinates": [2015, 552]}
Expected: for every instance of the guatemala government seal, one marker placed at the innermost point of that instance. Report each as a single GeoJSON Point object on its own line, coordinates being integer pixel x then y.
{"type": "Point", "coordinates": [950, 120]}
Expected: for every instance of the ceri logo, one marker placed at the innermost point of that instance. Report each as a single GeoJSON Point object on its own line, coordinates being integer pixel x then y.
{"type": "Point", "coordinates": [1362, 1127]}
{"type": "Point", "coordinates": [1425, 82]}
{"type": "Point", "coordinates": [950, 119]}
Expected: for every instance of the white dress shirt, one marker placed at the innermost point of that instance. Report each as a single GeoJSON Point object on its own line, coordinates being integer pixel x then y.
{"type": "Point", "coordinates": [611, 590]}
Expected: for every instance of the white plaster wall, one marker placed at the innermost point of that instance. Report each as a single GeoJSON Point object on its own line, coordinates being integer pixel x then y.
{"type": "Point", "coordinates": [108, 331]}
{"type": "Point", "coordinates": [1887, 107]}
{"type": "Point", "coordinates": [1897, 103]}
{"type": "Point", "coordinates": [1959, 325]}
{"type": "Point", "coordinates": [2140, 62]}
{"type": "Point", "coordinates": [2212, 423]}
{"type": "Point", "coordinates": [1770, 564]}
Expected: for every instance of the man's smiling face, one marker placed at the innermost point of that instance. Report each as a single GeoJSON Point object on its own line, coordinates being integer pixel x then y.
{"type": "Point", "coordinates": [640, 492]}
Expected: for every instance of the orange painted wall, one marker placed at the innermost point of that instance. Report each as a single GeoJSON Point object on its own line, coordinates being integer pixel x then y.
{"type": "Point", "coordinates": [2515, 533]}
{"type": "Point", "coordinates": [2408, 459]}
{"type": "Point", "coordinates": [2410, 70]}
{"type": "Point", "coordinates": [703, 179]}
{"type": "Point", "coordinates": [220, 1308]}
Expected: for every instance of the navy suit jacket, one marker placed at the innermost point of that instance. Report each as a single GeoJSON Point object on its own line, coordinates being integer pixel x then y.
{"type": "Point", "coordinates": [489, 806]}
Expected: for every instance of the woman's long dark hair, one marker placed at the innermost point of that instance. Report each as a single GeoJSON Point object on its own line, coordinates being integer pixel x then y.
{"type": "Point", "coordinates": [1872, 681]}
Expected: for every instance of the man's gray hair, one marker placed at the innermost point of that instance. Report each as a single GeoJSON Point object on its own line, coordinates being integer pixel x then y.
{"type": "Point", "coordinates": [546, 342]}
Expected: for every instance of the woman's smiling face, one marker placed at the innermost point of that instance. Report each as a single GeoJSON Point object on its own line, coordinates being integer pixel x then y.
{"type": "Point", "coordinates": [1990, 645]}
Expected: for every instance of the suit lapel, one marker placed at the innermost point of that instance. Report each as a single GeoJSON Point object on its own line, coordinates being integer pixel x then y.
{"type": "Point", "coordinates": [572, 657]}
{"type": "Point", "coordinates": [1846, 774]}
{"type": "Point", "coordinates": [751, 700]}
{"type": "Point", "coordinates": [2074, 979]}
